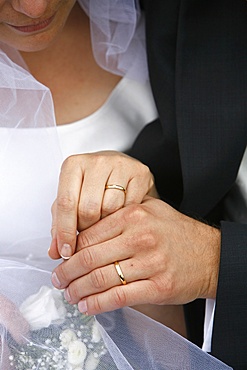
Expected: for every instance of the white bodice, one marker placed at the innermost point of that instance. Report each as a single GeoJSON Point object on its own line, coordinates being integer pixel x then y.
{"type": "Point", "coordinates": [115, 125]}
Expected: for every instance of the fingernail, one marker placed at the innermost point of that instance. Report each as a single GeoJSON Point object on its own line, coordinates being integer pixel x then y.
{"type": "Point", "coordinates": [67, 295]}
{"type": "Point", "coordinates": [66, 251]}
{"type": "Point", "coordinates": [55, 280]}
{"type": "Point", "coordinates": [82, 307]}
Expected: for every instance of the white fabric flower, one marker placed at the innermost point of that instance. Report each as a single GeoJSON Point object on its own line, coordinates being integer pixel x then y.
{"type": "Point", "coordinates": [66, 337]}
{"type": "Point", "coordinates": [44, 308]}
{"type": "Point", "coordinates": [96, 336]}
{"type": "Point", "coordinates": [77, 353]}
{"type": "Point", "coordinates": [92, 362]}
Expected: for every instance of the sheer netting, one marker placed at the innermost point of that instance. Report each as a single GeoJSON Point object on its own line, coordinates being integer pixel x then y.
{"type": "Point", "coordinates": [39, 330]}
{"type": "Point", "coordinates": [118, 36]}
{"type": "Point", "coordinates": [30, 155]}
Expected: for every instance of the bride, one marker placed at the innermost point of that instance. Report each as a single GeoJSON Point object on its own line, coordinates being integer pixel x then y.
{"type": "Point", "coordinates": [73, 79]}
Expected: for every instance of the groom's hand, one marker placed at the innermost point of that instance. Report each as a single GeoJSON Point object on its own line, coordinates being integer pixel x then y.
{"type": "Point", "coordinates": [164, 256]}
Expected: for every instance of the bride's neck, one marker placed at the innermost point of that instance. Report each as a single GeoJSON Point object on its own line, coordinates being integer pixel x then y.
{"type": "Point", "coordinates": [68, 45]}
{"type": "Point", "coordinates": [78, 85]}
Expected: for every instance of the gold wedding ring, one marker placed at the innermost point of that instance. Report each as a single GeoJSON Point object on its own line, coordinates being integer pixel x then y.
{"type": "Point", "coordinates": [114, 186]}
{"type": "Point", "coordinates": [120, 273]}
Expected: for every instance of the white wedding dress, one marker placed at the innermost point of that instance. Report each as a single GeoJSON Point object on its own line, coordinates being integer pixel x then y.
{"type": "Point", "coordinates": [32, 149]}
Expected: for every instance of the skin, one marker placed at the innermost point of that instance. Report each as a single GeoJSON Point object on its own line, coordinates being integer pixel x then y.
{"type": "Point", "coordinates": [25, 12]}
{"type": "Point", "coordinates": [60, 55]}
{"type": "Point", "coordinates": [83, 202]}
{"type": "Point", "coordinates": [82, 187]}
{"type": "Point", "coordinates": [167, 258]}
{"type": "Point", "coordinates": [12, 320]}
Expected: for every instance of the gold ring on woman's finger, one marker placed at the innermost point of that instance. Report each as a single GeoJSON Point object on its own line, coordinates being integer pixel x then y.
{"type": "Point", "coordinates": [120, 273]}
{"type": "Point", "coordinates": [115, 186]}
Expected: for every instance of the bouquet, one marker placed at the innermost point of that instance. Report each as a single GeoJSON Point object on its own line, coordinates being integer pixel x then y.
{"type": "Point", "coordinates": [60, 337]}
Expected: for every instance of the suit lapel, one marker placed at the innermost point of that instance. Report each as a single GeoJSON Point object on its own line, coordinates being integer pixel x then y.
{"type": "Point", "coordinates": [211, 93]}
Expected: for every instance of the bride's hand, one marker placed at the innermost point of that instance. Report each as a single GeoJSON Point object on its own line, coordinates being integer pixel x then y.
{"type": "Point", "coordinates": [83, 197]}
{"type": "Point", "coordinates": [12, 321]}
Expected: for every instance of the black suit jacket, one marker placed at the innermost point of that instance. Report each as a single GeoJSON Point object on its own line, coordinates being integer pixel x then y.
{"type": "Point", "coordinates": [197, 54]}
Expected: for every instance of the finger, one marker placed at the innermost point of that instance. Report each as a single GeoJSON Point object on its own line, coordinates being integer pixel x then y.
{"type": "Point", "coordinates": [91, 198]}
{"type": "Point", "coordinates": [53, 250]}
{"type": "Point", "coordinates": [104, 230]}
{"type": "Point", "coordinates": [113, 225]}
{"type": "Point", "coordinates": [87, 260]}
{"type": "Point", "coordinates": [99, 280]}
{"type": "Point", "coordinates": [98, 170]}
{"type": "Point", "coordinates": [114, 196]}
{"type": "Point", "coordinates": [139, 186]}
{"type": "Point", "coordinates": [105, 278]}
{"type": "Point", "coordinates": [67, 201]}
{"type": "Point", "coordinates": [115, 190]}
{"type": "Point", "coordinates": [12, 320]}
{"type": "Point", "coordinates": [139, 292]}
{"type": "Point", "coordinates": [5, 354]}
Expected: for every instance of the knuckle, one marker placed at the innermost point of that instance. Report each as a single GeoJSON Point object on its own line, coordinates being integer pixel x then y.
{"type": "Point", "coordinates": [74, 291]}
{"type": "Point", "coordinates": [96, 305]}
{"type": "Point", "coordinates": [84, 239]}
{"type": "Point", "coordinates": [68, 162]}
{"type": "Point", "coordinates": [66, 203]}
{"type": "Point", "coordinates": [145, 172]}
{"type": "Point", "coordinates": [98, 279]}
{"type": "Point", "coordinates": [53, 207]}
{"type": "Point", "coordinates": [65, 234]}
{"type": "Point", "coordinates": [135, 213]}
{"type": "Point", "coordinates": [89, 212]}
{"type": "Point", "coordinates": [53, 229]}
{"type": "Point", "coordinates": [164, 290]}
{"type": "Point", "coordinates": [144, 178]}
{"type": "Point", "coordinates": [119, 297]}
{"type": "Point", "coordinates": [98, 159]}
{"type": "Point", "coordinates": [147, 238]}
{"type": "Point", "coordinates": [62, 274]}
{"type": "Point", "coordinates": [109, 208]}
{"type": "Point", "coordinates": [86, 258]}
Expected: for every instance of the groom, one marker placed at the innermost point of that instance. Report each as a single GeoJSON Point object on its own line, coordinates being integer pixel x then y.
{"type": "Point", "coordinates": [197, 54]}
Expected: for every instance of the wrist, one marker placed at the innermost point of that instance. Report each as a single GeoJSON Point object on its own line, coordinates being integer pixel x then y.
{"type": "Point", "coordinates": [212, 263]}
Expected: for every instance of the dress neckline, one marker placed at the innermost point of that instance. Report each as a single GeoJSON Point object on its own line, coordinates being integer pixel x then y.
{"type": "Point", "coordinates": [98, 111]}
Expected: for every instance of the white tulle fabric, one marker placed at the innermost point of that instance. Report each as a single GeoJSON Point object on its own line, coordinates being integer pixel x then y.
{"type": "Point", "coordinates": [25, 104]}
{"type": "Point", "coordinates": [130, 339]}
{"type": "Point", "coordinates": [118, 36]}
{"type": "Point", "coordinates": [37, 329]}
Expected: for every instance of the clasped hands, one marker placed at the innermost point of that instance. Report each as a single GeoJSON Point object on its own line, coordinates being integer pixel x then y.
{"type": "Point", "coordinates": [165, 257]}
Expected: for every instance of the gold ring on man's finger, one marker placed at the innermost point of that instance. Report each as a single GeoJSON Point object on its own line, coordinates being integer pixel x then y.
{"type": "Point", "coordinates": [120, 273]}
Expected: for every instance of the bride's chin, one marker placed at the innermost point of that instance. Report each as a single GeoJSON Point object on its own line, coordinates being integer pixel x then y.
{"type": "Point", "coordinates": [32, 43]}
{"type": "Point", "coordinates": [35, 44]}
